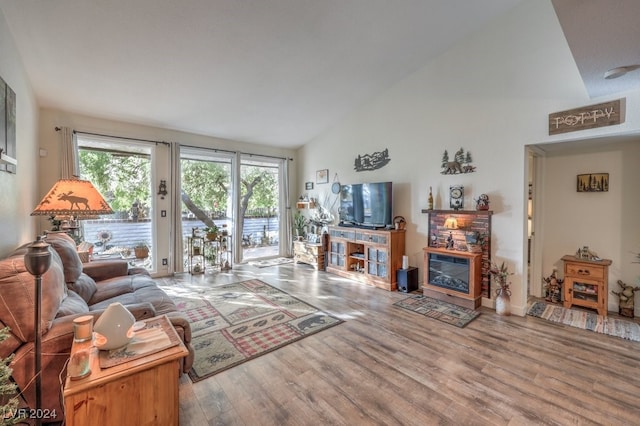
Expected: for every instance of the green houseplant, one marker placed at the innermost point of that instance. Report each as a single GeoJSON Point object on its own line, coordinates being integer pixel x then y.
{"type": "Point", "coordinates": [299, 223]}
{"type": "Point", "coordinates": [211, 232]}
{"type": "Point", "coordinates": [141, 250]}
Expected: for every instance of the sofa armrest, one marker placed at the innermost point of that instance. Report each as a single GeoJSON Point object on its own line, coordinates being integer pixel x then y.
{"type": "Point", "coordinates": [136, 270]}
{"type": "Point", "coordinates": [142, 310]}
{"type": "Point", "coordinates": [104, 269]}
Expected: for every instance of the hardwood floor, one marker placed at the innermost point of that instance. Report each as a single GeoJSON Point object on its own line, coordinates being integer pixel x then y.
{"type": "Point", "coordinates": [385, 365]}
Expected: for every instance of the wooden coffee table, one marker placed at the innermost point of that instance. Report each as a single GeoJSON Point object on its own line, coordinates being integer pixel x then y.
{"type": "Point", "coordinates": [140, 391]}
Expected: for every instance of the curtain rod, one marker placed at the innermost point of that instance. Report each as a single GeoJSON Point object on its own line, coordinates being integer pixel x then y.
{"type": "Point", "coordinates": [234, 152]}
{"type": "Point", "coordinates": [115, 137]}
{"type": "Point", "coordinates": [167, 143]}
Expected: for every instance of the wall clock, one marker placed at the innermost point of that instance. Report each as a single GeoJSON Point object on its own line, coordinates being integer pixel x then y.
{"type": "Point", "coordinates": [335, 188]}
{"type": "Point", "coordinates": [456, 197]}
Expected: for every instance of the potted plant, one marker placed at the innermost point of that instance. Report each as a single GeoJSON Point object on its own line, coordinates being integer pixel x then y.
{"type": "Point", "coordinates": [211, 232]}
{"type": "Point", "coordinates": [503, 293]}
{"type": "Point", "coordinates": [299, 223]}
{"type": "Point", "coordinates": [141, 250]}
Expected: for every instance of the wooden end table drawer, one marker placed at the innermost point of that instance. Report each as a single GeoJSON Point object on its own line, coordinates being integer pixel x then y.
{"type": "Point", "coordinates": [584, 271]}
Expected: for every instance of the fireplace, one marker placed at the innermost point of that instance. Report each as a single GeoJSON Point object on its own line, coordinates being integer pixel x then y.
{"type": "Point", "coordinates": [453, 276]}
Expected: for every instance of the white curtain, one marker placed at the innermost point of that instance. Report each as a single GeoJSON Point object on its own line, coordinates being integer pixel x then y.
{"type": "Point", "coordinates": [176, 224]}
{"type": "Point", "coordinates": [69, 166]}
{"type": "Point", "coordinates": [285, 218]}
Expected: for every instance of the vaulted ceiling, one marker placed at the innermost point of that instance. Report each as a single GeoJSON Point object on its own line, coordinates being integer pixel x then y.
{"type": "Point", "coordinates": [277, 72]}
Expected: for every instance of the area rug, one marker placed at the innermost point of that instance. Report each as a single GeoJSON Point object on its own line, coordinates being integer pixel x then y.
{"type": "Point", "coordinates": [437, 309]}
{"type": "Point", "coordinates": [585, 320]}
{"type": "Point", "coordinates": [271, 262]}
{"type": "Point", "coordinates": [233, 323]}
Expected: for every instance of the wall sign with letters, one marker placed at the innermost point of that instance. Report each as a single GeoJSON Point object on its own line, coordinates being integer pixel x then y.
{"type": "Point", "coordinates": [588, 117]}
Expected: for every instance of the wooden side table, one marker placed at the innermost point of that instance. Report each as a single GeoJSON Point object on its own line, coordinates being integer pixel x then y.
{"type": "Point", "coordinates": [586, 283]}
{"type": "Point", "coordinates": [311, 253]}
{"type": "Point", "coordinates": [141, 391]}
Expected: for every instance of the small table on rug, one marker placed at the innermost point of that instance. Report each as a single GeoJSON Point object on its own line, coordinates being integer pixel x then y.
{"type": "Point", "coordinates": [143, 390]}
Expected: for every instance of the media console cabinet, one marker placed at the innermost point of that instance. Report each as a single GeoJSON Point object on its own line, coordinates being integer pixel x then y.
{"type": "Point", "coordinates": [366, 255]}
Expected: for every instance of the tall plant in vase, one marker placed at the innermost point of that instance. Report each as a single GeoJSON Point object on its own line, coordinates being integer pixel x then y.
{"type": "Point", "coordinates": [503, 292]}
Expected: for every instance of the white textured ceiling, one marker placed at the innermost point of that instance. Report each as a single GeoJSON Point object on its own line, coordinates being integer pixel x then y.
{"type": "Point", "coordinates": [276, 72]}
{"type": "Point", "coordinates": [602, 34]}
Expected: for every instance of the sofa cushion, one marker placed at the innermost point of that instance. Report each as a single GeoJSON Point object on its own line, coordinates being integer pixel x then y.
{"type": "Point", "coordinates": [73, 304]}
{"type": "Point", "coordinates": [66, 248]}
{"type": "Point", "coordinates": [85, 286]}
{"type": "Point", "coordinates": [119, 287]}
{"type": "Point", "coordinates": [144, 289]}
{"type": "Point", "coordinates": [17, 294]}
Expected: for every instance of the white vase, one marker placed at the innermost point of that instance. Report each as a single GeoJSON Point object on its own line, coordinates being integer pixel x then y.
{"type": "Point", "coordinates": [503, 302]}
{"type": "Point", "coordinates": [114, 327]}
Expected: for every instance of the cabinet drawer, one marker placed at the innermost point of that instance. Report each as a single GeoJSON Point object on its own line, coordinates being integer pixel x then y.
{"type": "Point", "coordinates": [585, 271]}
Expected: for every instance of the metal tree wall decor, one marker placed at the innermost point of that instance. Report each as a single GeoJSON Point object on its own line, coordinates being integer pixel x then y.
{"type": "Point", "coordinates": [461, 163]}
{"type": "Point", "coordinates": [372, 161]}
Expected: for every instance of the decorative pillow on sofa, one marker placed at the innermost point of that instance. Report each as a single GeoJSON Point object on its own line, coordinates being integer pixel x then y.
{"type": "Point", "coordinates": [85, 286]}
{"type": "Point", "coordinates": [66, 248]}
{"type": "Point", "coordinates": [72, 305]}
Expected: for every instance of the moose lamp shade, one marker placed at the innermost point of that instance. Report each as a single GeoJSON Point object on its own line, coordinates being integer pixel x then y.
{"type": "Point", "coordinates": [72, 197]}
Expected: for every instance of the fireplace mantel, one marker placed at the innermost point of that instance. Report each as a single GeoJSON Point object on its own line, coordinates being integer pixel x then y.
{"type": "Point", "coordinates": [469, 221]}
{"type": "Point", "coordinates": [471, 298]}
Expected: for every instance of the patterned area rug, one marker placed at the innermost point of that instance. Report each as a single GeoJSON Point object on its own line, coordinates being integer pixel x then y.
{"type": "Point", "coordinates": [271, 262]}
{"type": "Point", "coordinates": [437, 309]}
{"type": "Point", "coordinates": [234, 323]}
{"type": "Point", "coordinates": [586, 320]}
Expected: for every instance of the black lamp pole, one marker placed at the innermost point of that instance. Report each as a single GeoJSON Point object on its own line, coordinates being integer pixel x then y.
{"type": "Point", "coordinates": [37, 261]}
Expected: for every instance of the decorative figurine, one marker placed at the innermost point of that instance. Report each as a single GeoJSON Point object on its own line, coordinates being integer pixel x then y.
{"type": "Point", "coordinates": [625, 303]}
{"type": "Point", "coordinates": [553, 287]}
{"type": "Point", "coordinates": [482, 202]}
{"type": "Point", "coordinates": [450, 242]}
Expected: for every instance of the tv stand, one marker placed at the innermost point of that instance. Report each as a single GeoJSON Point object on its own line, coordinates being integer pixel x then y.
{"type": "Point", "coordinates": [371, 256]}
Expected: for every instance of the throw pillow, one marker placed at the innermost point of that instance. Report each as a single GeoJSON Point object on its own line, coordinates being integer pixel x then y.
{"type": "Point", "coordinates": [66, 248]}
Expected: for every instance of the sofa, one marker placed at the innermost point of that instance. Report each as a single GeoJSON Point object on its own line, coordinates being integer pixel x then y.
{"type": "Point", "coordinates": [71, 289]}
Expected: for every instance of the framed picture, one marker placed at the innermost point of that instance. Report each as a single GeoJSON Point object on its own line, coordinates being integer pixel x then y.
{"type": "Point", "coordinates": [593, 182]}
{"type": "Point", "coordinates": [308, 185]}
{"type": "Point", "coordinates": [322, 176]}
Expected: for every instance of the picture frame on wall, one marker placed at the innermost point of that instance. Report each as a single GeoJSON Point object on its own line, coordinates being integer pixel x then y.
{"type": "Point", "coordinates": [593, 182]}
{"type": "Point", "coordinates": [308, 186]}
{"type": "Point", "coordinates": [8, 160]}
{"type": "Point", "coordinates": [322, 176]}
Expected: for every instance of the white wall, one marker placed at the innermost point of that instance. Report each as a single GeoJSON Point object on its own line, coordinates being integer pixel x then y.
{"type": "Point", "coordinates": [606, 222]}
{"type": "Point", "coordinates": [18, 191]}
{"type": "Point", "coordinates": [491, 94]}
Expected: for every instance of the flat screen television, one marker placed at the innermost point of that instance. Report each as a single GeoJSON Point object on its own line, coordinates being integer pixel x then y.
{"type": "Point", "coordinates": [367, 205]}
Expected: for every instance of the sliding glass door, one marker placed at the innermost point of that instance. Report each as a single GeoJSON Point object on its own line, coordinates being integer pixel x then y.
{"type": "Point", "coordinates": [260, 206]}
{"type": "Point", "coordinates": [122, 171]}
{"type": "Point", "coordinates": [206, 193]}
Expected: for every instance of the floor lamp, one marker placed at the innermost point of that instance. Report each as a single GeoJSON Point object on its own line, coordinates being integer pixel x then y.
{"type": "Point", "coordinates": [37, 261]}
{"type": "Point", "coordinates": [69, 197]}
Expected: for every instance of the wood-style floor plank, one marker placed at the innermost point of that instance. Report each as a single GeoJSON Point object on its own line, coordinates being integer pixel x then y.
{"type": "Point", "coordinates": [385, 365]}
